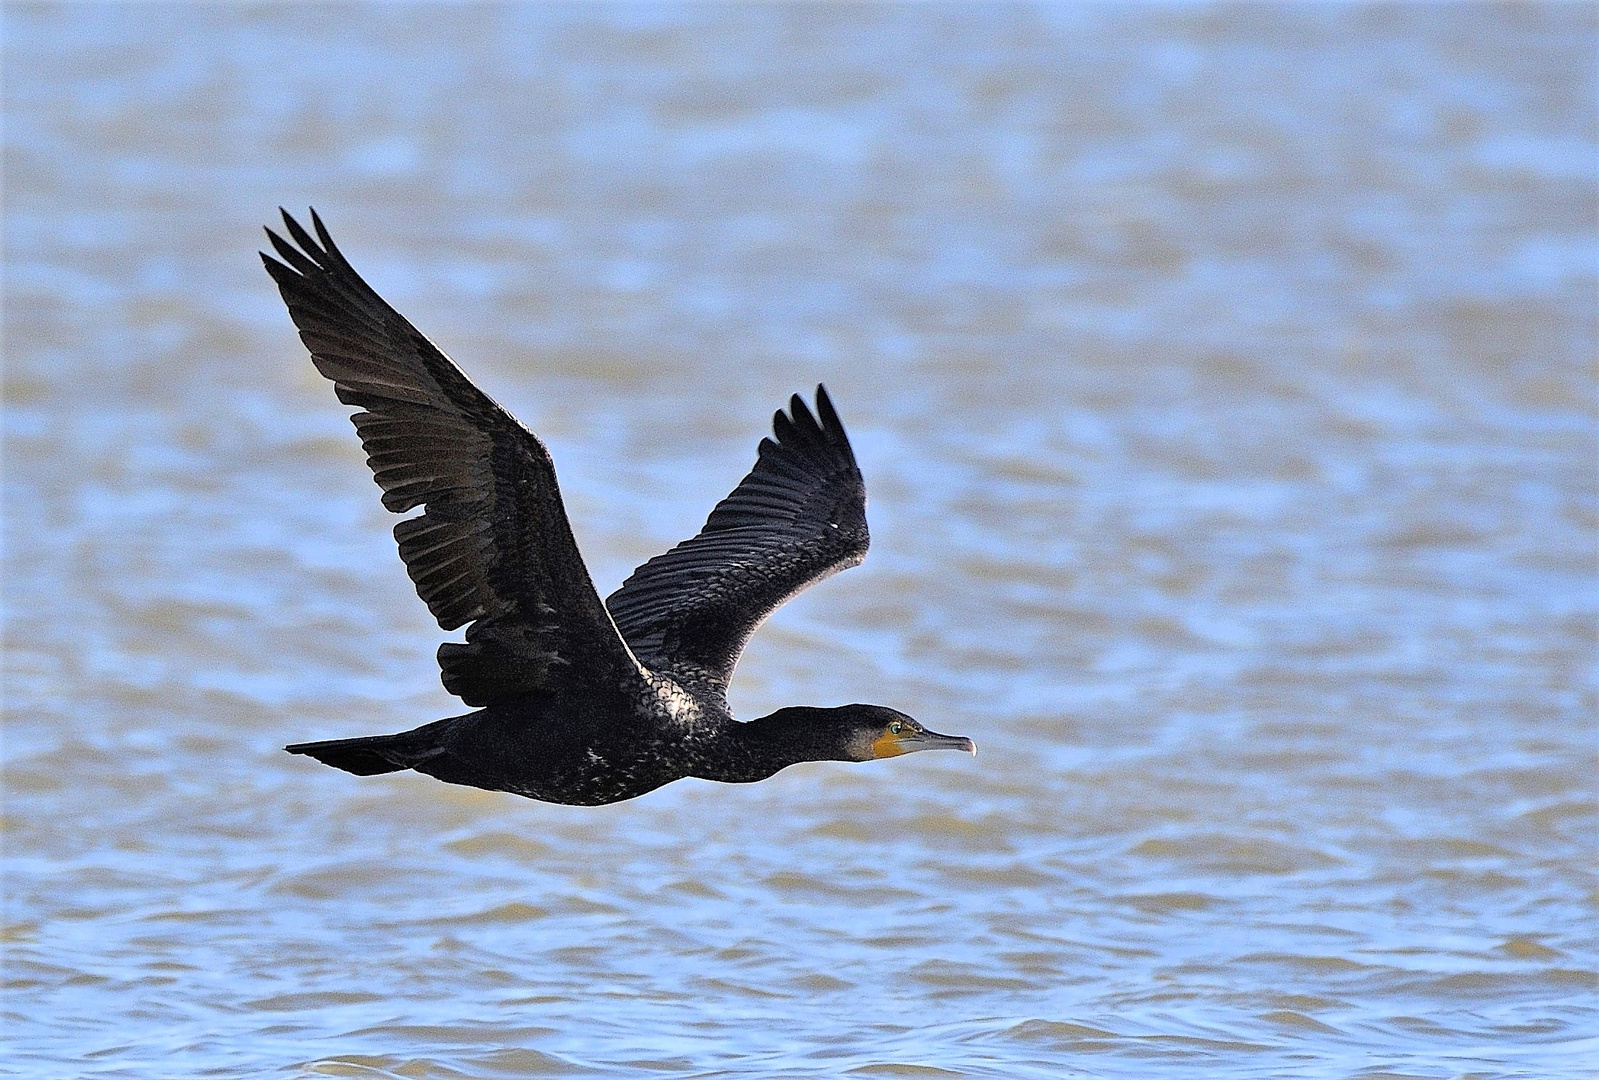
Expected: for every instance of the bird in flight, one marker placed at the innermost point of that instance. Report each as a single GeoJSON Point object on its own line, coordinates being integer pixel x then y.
{"type": "Point", "coordinates": [578, 701]}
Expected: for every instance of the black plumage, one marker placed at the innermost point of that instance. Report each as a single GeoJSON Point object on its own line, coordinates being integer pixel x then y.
{"type": "Point", "coordinates": [577, 701]}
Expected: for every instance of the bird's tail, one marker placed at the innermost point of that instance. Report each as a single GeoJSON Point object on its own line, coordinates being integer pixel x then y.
{"type": "Point", "coordinates": [374, 754]}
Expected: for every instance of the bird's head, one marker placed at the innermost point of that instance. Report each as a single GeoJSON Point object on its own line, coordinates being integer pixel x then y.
{"type": "Point", "coordinates": [844, 733]}
{"type": "Point", "coordinates": [868, 732]}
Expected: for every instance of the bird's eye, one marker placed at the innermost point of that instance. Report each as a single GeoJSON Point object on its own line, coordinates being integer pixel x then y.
{"type": "Point", "coordinates": [893, 729]}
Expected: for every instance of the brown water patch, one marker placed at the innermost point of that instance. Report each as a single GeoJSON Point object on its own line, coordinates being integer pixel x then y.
{"type": "Point", "coordinates": [1292, 1019]}
{"type": "Point", "coordinates": [311, 1000]}
{"type": "Point", "coordinates": [1525, 949]}
{"type": "Point", "coordinates": [1326, 965]}
{"type": "Point", "coordinates": [522, 1061]}
{"type": "Point", "coordinates": [345, 880]}
{"type": "Point", "coordinates": [819, 983]}
{"type": "Point", "coordinates": [1053, 1030]}
{"type": "Point", "coordinates": [1195, 1042]}
{"type": "Point", "coordinates": [1160, 903]}
{"type": "Point", "coordinates": [513, 912]}
{"type": "Point", "coordinates": [463, 1034]}
{"type": "Point", "coordinates": [953, 978]}
{"type": "Point", "coordinates": [505, 845]}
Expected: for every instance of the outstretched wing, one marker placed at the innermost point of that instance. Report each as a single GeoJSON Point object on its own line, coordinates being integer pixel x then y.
{"type": "Point", "coordinates": [799, 516]}
{"type": "Point", "coordinates": [492, 548]}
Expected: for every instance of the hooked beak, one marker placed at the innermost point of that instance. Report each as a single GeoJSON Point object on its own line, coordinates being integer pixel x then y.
{"type": "Point", "coordinates": [931, 740]}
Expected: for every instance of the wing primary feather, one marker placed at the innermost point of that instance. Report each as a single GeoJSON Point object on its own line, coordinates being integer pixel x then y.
{"type": "Point", "coordinates": [492, 547]}
{"type": "Point", "coordinates": [797, 517]}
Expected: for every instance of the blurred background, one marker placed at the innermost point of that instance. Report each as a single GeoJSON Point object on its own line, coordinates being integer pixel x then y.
{"type": "Point", "coordinates": [1223, 381]}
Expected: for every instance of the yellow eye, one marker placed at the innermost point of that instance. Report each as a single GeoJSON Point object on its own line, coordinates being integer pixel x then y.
{"type": "Point", "coordinates": [893, 729]}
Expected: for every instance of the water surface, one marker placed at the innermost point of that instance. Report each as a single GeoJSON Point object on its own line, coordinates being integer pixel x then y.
{"type": "Point", "coordinates": [1222, 378]}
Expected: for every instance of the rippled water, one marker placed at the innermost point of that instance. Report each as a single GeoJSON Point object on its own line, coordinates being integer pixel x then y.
{"type": "Point", "coordinates": [1223, 382]}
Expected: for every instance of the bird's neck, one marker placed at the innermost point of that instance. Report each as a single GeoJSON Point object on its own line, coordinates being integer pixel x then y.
{"type": "Point", "coordinates": [751, 751]}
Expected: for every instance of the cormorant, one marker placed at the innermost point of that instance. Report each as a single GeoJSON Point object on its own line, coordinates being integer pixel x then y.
{"type": "Point", "coordinates": [578, 701]}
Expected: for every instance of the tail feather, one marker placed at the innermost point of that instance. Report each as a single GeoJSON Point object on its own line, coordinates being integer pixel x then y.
{"type": "Point", "coordinates": [363, 757]}
{"type": "Point", "coordinates": [374, 754]}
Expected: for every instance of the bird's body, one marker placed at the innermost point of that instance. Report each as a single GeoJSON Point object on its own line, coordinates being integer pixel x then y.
{"type": "Point", "coordinates": [578, 701]}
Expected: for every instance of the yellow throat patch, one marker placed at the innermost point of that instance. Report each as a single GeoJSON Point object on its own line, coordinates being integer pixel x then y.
{"type": "Point", "coordinates": [886, 745]}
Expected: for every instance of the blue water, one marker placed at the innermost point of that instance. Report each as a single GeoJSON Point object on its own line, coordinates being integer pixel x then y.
{"type": "Point", "coordinates": [1223, 382]}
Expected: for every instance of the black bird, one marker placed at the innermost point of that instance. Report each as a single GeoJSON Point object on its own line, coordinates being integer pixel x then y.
{"type": "Point", "coordinates": [578, 701]}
